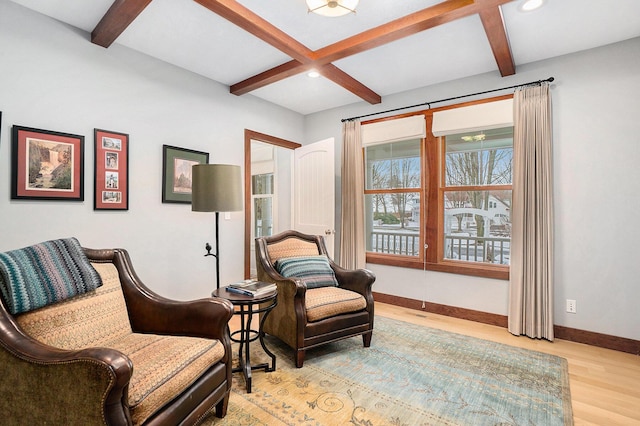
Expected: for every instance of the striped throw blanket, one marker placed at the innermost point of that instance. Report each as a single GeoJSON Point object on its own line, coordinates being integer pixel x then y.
{"type": "Point", "coordinates": [45, 273]}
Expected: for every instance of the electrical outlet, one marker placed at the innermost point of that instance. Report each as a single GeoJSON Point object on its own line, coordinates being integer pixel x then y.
{"type": "Point", "coordinates": [571, 306]}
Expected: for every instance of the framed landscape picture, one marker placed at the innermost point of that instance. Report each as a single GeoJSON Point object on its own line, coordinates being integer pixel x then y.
{"type": "Point", "coordinates": [111, 170]}
{"type": "Point", "coordinates": [46, 165]}
{"type": "Point", "coordinates": [176, 172]}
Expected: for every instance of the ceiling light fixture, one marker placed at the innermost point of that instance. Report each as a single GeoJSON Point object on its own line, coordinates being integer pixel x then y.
{"type": "Point", "coordinates": [313, 74]}
{"type": "Point", "coordinates": [332, 7]}
{"type": "Point", "coordinates": [529, 5]}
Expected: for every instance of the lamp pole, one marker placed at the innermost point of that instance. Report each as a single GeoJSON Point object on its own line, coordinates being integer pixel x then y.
{"type": "Point", "coordinates": [216, 254]}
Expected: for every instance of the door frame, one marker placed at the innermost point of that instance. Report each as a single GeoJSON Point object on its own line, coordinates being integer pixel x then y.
{"type": "Point", "coordinates": [250, 135]}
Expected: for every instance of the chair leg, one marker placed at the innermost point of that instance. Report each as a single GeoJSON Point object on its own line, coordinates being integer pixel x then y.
{"type": "Point", "coordinates": [366, 338]}
{"type": "Point", "coordinates": [221, 407]}
{"type": "Point", "coordinates": [299, 358]}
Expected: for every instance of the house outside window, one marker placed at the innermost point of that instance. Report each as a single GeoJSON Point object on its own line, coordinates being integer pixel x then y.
{"type": "Point", "coordinates": [441, 202]}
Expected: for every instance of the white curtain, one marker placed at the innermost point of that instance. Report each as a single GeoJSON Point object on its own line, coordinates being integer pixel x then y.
{"type": "Point", "coordinates": [531, 271]}
{"type": "Point", "coordinates": [352, 238]}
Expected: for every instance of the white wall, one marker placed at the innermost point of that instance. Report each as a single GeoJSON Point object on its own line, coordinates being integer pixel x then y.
{"type": "Point", "coordinates": [596, 102]}
{"type": "Point", "coordinates": [53, 78]}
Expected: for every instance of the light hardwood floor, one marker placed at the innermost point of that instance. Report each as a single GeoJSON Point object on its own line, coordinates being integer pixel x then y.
{"type": "Point", "coordinates": [605, 384]}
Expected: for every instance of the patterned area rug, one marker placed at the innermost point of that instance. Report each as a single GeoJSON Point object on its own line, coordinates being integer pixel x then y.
{"type": "Point", "coordinates": [411, 375]}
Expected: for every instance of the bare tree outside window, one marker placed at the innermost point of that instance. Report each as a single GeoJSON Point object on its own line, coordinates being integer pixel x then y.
{"type": "Point", "coordinates": [393, 181]}
{"type": "Point", "coordinates": [478, 177]}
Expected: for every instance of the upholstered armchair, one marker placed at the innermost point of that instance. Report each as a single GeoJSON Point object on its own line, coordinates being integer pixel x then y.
{"type": "Point", "coordinates": [318, 301]}
{"type": "Point", "coordinates": [117, 354]}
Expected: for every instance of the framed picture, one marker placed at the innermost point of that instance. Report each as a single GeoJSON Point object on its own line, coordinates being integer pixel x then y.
{"type": "Point", "coordinates": [111, 170]}
{"type": "Point", "coordinates": [176, 172]}
{"type": "Point", "coordinates": [46, 165]}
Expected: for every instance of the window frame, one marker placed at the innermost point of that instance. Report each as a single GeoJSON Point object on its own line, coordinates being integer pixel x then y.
{"type": "Point", "coordinates": [432, 192]}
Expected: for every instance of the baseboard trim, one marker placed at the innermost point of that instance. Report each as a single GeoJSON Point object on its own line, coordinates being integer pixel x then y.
{"type": "Point", "coordinates": [615, 343]}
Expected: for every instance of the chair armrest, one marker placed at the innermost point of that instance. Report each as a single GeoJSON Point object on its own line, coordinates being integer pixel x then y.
{"type": "Point", "coordinates": [152, 313]}
{"type": "Point", "coordinates": [55, 386]}
{"type": "Point", "coordinates": [358, 280]}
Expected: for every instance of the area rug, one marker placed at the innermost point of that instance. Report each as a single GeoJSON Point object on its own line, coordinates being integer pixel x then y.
{"type": "Point", "coordinates": [411, 375]}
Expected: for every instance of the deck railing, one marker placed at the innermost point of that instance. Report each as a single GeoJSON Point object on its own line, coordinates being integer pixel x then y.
{"type": "Point", "coordinates": [402, 243]}
{"type": "Point", "coordinates": [469, 248]}
{"type": "Point", "coordinates": [474, 249]}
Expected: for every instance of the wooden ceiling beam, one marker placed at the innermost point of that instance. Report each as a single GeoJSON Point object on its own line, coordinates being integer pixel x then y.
{"type": "Point", "coordinates": [343, 79]}
{"type": "Point", "coordinates": [293, 67]}
{"type": "Point", "coordinates": [123, 12]}
{"type": "Point", "coordinates": [422, 20]}
{"type": "Point", "coordinates": [493, 24]}
{"type": "Point", "coordinates": [394, 30]}
{"type": "Point", "coordinates": [303, 57]}
{"type": "Point", "coordinates": [119, 16]}
{"type": "Point", "coordinates": [391, 31]}
{"type": "Point", "coordinates": [288, 69]}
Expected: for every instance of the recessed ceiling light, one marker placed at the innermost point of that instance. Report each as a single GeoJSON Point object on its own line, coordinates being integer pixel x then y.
{"type": "Point", "coordinates": [529, 5]}
{"type": "Point", "coordinates": [313, 74]}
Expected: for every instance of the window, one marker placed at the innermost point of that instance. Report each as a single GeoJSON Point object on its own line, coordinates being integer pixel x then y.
{"type": "Point", "coordinates": [262, 193]}
{"type": "Point", "coordinates": [392, 197]}
{"type": "Point", "coordinates": [442, 203]}
{"type": "Point", "coordinates": [477, 196]}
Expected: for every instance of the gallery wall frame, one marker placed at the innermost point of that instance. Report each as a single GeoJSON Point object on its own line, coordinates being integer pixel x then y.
{"type": "Point", "coordinates": [46, 165]}
{"type": "Point", "coordinates": [176, 172]}
{"type": "Point", "coordinates": [111, 170]}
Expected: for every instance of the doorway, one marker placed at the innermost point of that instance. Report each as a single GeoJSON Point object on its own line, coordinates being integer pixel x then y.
{"type": "Point", "coordinates": [268, 179]}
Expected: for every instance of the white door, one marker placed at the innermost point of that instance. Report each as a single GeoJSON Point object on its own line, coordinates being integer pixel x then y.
{"type": "Point", "coordinates": [314, 190]}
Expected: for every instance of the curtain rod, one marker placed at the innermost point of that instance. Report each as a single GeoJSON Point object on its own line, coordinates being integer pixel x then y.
{"type": "Point", "coordinates": [550, 79]}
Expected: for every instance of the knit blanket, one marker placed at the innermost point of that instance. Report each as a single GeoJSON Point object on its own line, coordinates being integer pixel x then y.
{"type": "Point", "coordinates": [45, 273]}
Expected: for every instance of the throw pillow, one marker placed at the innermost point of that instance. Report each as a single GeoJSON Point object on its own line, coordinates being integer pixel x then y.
{"type": "Point", "coordinates": [314, 271]}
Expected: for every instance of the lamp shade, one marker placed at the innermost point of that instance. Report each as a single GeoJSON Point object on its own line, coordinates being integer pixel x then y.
{"type": "Point", "coordinates": [216, 188]}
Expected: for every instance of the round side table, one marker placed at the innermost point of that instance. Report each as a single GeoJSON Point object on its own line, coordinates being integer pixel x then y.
{"type": "Point", "coordinates": [248, 306]}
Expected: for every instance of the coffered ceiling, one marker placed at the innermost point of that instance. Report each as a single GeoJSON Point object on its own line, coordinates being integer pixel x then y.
{"type": "Point", "coordinates": [265, 48]}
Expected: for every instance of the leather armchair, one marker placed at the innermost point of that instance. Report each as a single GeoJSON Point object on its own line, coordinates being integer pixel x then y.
{"type": "Point", "coordinates": [44, 384]}
{"type": "Point", "coordinates": [290, 320]}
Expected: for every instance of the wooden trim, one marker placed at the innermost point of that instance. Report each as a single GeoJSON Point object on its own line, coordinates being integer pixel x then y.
{"type": "Point", "coordinates": [621, 344]}
{"type": "Point", "coordinates": [435, 308]}
{"type": "Point", "coordinates": [476, 269]}
{"type": "Point", "coordinates": [414, 262]}
{"type": "Point", "coordinates": [273, 140]}
{"type": "Point", "coordinates": [592, 338]}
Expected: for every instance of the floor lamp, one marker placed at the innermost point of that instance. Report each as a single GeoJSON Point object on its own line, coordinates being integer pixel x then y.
{"type": "Point", "coordinates": [216, 188]}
